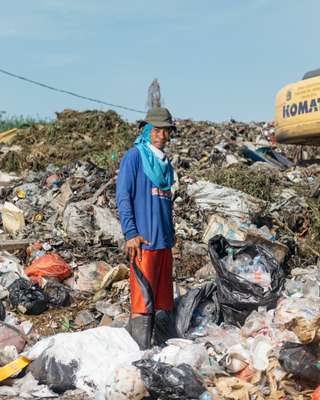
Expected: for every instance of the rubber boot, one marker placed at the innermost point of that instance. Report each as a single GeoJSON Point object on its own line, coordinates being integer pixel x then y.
{"type": "Point", "coordinates": [141, 330]}
{"type": "Point", "coordinates": [128, 326]}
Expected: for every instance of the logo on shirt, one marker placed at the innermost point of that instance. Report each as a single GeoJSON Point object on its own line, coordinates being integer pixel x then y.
{"type": "Point", "coordinates": [166, 194]}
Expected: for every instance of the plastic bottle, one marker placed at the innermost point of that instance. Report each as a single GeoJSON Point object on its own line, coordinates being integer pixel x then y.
{"type": "Point", "coordinates": [201, 328]}
{"type": "Point", "coordinates": [114, 156]}
{"type": "Point", "coordinates": [242, 263]}
{"type": "Point", "coordinates": [260, 274]}
{"type": "Point", "coordinates": [228, 260]}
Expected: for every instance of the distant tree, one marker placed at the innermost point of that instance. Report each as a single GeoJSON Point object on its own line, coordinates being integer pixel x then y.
{"type": "Point", "coordinates": [154, 95]}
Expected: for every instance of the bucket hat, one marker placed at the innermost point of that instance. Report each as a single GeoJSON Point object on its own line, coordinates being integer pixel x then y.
{"type": "Point", "coordinates": [159, 117]}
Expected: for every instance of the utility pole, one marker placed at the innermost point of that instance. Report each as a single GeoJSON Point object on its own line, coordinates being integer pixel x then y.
{"type": "Point", "coordinates": [154, 95]}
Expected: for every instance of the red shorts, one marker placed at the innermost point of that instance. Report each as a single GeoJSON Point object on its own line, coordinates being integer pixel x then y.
{"type": "Point", "coordinates": [151, 283]}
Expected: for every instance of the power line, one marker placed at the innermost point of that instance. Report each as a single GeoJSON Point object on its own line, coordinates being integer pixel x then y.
{"type": "Point", "coordinates": [70, 93]}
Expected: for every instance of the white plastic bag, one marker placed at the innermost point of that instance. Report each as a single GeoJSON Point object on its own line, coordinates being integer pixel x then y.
{"type": "Point", "coordinates": [10, 269]}
{"type": "Point", "coordinates": [224, 200]}
{"type": "Point", "coordinates": [85, 360]}
{"type": "Point", "coordinates": [192, 354]}
{"type": "Point", "coordinates": [107, 223]}
{"type": "Point", "coordinates": [12, 218]}
{"type": "Point", "coordinates": [126, 383]}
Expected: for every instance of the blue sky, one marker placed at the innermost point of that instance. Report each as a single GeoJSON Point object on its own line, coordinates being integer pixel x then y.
{"type": "Point", "coordinates": [214, 59]}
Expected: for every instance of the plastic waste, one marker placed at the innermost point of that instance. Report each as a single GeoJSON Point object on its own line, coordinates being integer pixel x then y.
{"type": "Point", "coordinates": [223, 200]}
{"type": "Point", "coordinates": [261, 348]}
{"type": "Point", "coordinates": [237, 359]}
{"type": "Point", "coordinates": [50, 265]}
{"type": "Point", "coordinates": [237, 296]}
{"type": "Point", "coordinates": [244, 230]}
{"type": "Point", "coordinates": [192, 354]}
{"type": "Point", "coordinates": [60, 201]}
{"type": "Point", "coordinates": [316, 394]}
{"type": "Point", "coordinates": [171, 383]}
{"type": "Point", "coordinates": [107, 223]}
{"type": "Point", "coordinates": [2, 312]}
{"type": "Point", "coordinates": [251, 269]}
{"type": "Point", "coordinates": [77, 219]}
{"type": "Point", "coordinates": [301, 361]}
{"type": "Point", "coordinates": [293, 288]}
{"type": "Point", "coordinates": [109, 309]}
{"type": "Point", "coordinates": [311, 288]}
{"type": "Point", "coordinates": [205, 396]}
{"type": "Point", "coordinates": [7, 179]}
{"type": "Point", "coordinates": [305, 283]}
{"type": "Point", "coordinates": [10, 269]}
{"type": "Point", "coordinates": [58, 295]}
{"type": "Point", "coordinates": [12, 218]}
{"type": "Point", "coordinates": [288, 309]}
{"type": "Point", "coordinates": [256, 322]}
{"type": "Point", "coordinates": [69, 360]}
{"type": "Point", "coordinates": [89, 276]}
{"type": "Point", "coordinates": [8, 354]}
{"type": "Point", "coordinates": [126, 383]}
{"type": "Point", "coordinates": [222, 338]}
{"type": "Point", "coordinates": [168, 355]}
{"type": "Point", "coordinates": [28, 298]}
{"type": "Point", "coordinates": [306, 331]}
{"type": "Point", "coordinates": [53, 181]}
{"type": "Point", "coordinates": [246, 374]}
{"type": "Point", "coordinates": [27, 388]}
{"type": "Point", "coordinates": [84, 318]}
{"type": "Point", "coordinates": [200, 327]}
{"type": "Point", "coordinates": [177, 323]}
{"type": "Point", "coordinates": [11, 336]}
{"type": "Point", "coordinates": [13, 368]}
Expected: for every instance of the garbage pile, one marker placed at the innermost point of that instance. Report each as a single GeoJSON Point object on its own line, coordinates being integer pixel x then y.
{"type": "Point", "coordinates": [246, 322]}
{"type": "Point", "coordinates": [91, 135]}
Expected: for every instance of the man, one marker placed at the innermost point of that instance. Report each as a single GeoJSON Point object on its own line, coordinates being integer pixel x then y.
{"type": "Point", "coordinates": [145, 209]}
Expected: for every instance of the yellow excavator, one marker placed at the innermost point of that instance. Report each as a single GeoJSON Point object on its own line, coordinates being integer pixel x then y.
{"type": "Point", "coordinates": [297, 111]}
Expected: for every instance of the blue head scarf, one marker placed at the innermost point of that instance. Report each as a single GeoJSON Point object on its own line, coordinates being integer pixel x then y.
{"type": "Point", "coordinates": [159, 172]}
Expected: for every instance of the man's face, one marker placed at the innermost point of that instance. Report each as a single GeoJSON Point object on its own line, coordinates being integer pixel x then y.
{"type": "Point", "coordinates": [159, 137]}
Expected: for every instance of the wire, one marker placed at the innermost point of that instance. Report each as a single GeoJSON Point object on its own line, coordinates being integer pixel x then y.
{"type": "Point", "coordinates": [70, 93]}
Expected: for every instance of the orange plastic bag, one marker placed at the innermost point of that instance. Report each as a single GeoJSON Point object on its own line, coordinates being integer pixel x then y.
{"type": "Point", "coordinates": [50, 265]}
{"type": "Point", "coordinates": [316, 394]}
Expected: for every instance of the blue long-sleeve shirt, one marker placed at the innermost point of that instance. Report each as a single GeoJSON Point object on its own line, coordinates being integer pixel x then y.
{"type": "Point", "coordinates": [143, 208]}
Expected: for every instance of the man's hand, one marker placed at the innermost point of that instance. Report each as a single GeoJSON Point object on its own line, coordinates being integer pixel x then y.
{"type": "Point", "coordinates": [133, 247]}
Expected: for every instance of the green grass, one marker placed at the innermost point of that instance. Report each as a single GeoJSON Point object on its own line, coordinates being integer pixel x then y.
{"type": "Point", "coordinates": [9, 122]}
{"type": "Point", "coordinates": [262, 186]}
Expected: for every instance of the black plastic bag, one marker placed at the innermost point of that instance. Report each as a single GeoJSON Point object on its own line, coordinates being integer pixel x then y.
{"type": "Point", "coordinates": [58, 376]}
{"type": "Point", "coordinates": [28, 298]}
{"type": "Point", "coordinates": [2, 312]}
{"type": "Point", "coordinates": [237, 296]}
{"type": "Point", "coordinates": [177, 323]}
{"type": "Point", "coordinates": [301, 361]}
{"type": "Point", "coordinates": [200, 299]}
{"type": "Point", "coordinates": [165, 382]}
{"type": "Point", "coordinates": [58, 295]}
